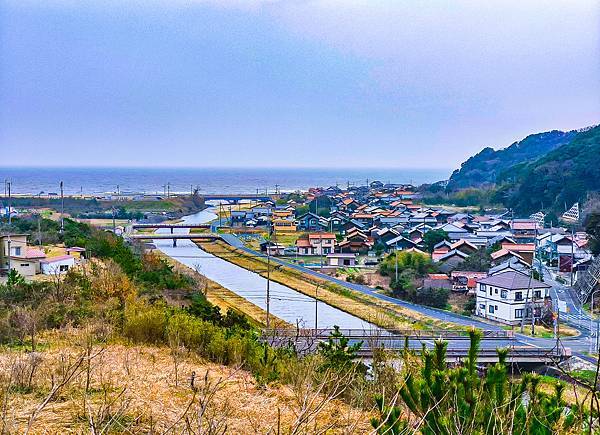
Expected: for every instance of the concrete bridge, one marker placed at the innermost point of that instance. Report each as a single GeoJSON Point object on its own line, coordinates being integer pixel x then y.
{"type": "Point", "coordinates": [170, 226]}
{"type": "Point", "coordinates": [194, 236]}
{"type": "Point", "coordinates": [306, 340]}
{"type": "Point", "coordinates": [237, 197]}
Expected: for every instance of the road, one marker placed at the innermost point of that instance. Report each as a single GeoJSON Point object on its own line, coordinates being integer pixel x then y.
{"type": "Point", "coordinates": [578, 345]}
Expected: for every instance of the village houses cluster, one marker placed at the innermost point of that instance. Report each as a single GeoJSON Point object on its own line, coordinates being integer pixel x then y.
{"type": "Point", "coordinates": [357, 226]}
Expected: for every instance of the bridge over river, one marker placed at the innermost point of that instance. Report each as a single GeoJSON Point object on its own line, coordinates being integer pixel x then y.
{"type": "Point", "coordinates": [458, 343]}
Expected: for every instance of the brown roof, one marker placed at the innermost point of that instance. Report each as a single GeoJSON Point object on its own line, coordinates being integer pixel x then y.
{"type": "Point", "coordinates": [513, 281]}
{"type": "Point", "coordinates": [502, 252]}
{"type": "Point", "coordinates": [303, 243]}
{"type": "Point", "coordinates": [321, 236]}
{"type": "Point", "coordinates": [519, 247]}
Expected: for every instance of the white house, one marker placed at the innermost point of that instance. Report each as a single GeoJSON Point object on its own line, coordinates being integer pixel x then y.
{"type": "Point", "coordinates": [316, 244]}
{"type": "Point", "coordinates": [505, 296]}
{"type": "Point", "coordinates": [55, 265]}
{"type": "Point", "coordinates": [341, 260]}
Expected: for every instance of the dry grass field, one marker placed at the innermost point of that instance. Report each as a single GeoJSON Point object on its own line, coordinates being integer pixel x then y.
{"type": "Point", "coordinates": [141, 389]}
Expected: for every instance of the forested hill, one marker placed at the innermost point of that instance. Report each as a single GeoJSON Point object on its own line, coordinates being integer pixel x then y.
{"type": "Point", "coordinates": [483, 168]}
{"type": "Point", "coordinates": [558, 179]}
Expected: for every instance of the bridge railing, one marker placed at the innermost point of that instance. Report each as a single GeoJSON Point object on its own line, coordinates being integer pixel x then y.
{"type": "Point", "coordinates": [385, 334]}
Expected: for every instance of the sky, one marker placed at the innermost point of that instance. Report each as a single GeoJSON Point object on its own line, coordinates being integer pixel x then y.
{"type": "Point", "coordinates": [291, 83]}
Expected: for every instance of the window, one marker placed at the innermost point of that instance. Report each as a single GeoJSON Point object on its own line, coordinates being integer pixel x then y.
{"type": "Point", "coordinates": [17, 251]}
{"type": "Point", "coordinates": [537, 294]}
{"type": "Point", "coordinates": [518, 296]}
{"type": "Point", "coordinates": [482, 287]}
{"type": "Point", "coordinates": [63, 267]}
{"type": "Point", "coordinates": [496, 290]}
{"type": "Point", "coordinates": [519, 313]}
{"type": "Point", "coordinates": [482, 307]}
{"type": "Point", "coordinates": [24, 264]}
{"type": "Point", "coordinates": [491, 309]}
{"type": "Point", "coordinates": [503, 294]}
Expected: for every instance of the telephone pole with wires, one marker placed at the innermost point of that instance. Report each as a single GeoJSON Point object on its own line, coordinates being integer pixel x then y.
{"type": "Point", "coordinates": [62, 208]}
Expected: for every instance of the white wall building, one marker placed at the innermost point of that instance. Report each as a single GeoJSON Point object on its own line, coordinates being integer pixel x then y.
{"type": "Point", "coordinates": [56, 265]}
{"type": "Point", "coordinates": [507, 297]}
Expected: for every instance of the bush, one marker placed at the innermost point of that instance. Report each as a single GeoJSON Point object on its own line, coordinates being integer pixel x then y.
{"type": "Point", "coordinates": [433, 297]}
{"type": "Point", "coordinates": [145, 323]}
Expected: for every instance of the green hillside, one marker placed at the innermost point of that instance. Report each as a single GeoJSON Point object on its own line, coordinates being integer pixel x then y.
{"type": "Point", "coordinates": [482, 169]}
{"type": "Point", "coordinates": [556, 180]}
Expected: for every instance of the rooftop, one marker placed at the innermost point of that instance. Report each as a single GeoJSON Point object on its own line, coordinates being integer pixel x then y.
{"type": "Point", "coordinates": [512, 280]}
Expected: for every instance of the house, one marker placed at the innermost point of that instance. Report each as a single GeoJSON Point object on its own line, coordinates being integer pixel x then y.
{"type": "Point", "coordinates": [454, 232]}
{"type": "Point", "coordinates": [341, 260]}
{"type": "Point", "coordinates": [524, 250]}
{"type": "Point", "coordinates": [356, 241]}
{"type": "Point", "coordinates": [284, 225]}
{"type": "Point", "coordinates": [323, 243]}
{"type": "Point", "coordinates": [57, 265]}
{"type": "Point", "coordinates": [507, 297]}
{"type": "Point", "coordinates": [310, 222]}
{"type": "Point", "coordinates": [464, 246]}
{"type": "Point", "coordinates": [24, 259]}
{"type": "Point", "coordinates": [524, 230]}
{"type": "Point", "coordinates": [437, 280]}
{"type": "Point", "coordinates": [441, 249]}
{"type": "Point", "coordinates": [75, 251]}
{"type": "Point", "coordinates": [451, 260]}
{"type": "Point", "coordinates": [464, 280]}
{"type": "Point", "coordinates": [512, 264]}
{"type": "Point", "coordinates": [504, 255]}
{"type": "Point", "coordinates": [316, 244]}
{"type": "Point", "coordinates": [400, 243]}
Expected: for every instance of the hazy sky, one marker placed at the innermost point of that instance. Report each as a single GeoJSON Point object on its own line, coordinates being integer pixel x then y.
{"type": "Point", "coordinates": [289, 83]}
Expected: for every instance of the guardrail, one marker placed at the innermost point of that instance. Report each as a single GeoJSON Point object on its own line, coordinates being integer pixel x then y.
{"type": "Point", "coordinates": [386, 333]}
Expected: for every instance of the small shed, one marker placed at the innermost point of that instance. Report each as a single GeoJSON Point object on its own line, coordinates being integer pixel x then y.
{"type": "Point", "coordinates": [341, 260]}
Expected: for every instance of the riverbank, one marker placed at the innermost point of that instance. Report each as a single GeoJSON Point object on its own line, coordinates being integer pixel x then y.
{"type": "Point", "coordinates": [225, 298]}
{"type": "Point", "coordinates": [381, 313]}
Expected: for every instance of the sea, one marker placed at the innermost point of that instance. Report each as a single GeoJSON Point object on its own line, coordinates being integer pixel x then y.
{"type": "Point", "coordinates": [96, 180]}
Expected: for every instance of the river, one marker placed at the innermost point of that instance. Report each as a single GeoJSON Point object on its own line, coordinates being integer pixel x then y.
{"type": "Point", "coordinates": [286, 303]}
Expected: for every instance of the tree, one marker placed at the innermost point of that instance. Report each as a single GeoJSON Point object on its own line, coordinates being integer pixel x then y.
{"type": "Point", "coordinates": [14, 278]}
{"type": "Point", "coordinates": [457, 400]}
{"type": "Point", "coordinates": [433, 237]}
{"type": "Point", "coordinates": [478, 261]}
{"type": "Point", "coordinates": [337, 350]}
{"type": "Point", "coordinates": [592, 228]}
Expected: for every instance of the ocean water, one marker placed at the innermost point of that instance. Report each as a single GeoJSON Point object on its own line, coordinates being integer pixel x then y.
{"type": "Point", "coordinates": [208, 180]}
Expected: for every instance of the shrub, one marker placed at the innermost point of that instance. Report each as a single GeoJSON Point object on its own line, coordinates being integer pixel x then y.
{"type": "Point", "coordinates": [145, 323]}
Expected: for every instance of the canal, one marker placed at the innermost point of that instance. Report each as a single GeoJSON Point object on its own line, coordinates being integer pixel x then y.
{"type": "Point", "coordinates": [286, 303]}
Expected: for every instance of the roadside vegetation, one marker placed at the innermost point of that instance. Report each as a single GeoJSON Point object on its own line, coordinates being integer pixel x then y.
{"type": "Point", "coordinates": [412, 267]}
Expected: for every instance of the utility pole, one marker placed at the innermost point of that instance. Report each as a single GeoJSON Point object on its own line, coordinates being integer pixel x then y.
{"type": "Point", "coordinates": [572, 254]}
{"type": "Point", "coordinates": [9, 241]}
{"type": "Point", "coordinates": [396, 257]}
{"type": "Point", "coordinates": [62, 208]}
{"type": "Point", "coordinates": [316, 308]}
{"type": "Point", "coordinates": [8, 186]}
{"type": "Point", "coordinates": [268, 280]}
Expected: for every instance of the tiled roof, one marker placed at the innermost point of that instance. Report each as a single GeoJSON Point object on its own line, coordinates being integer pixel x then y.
{"type": "Point", "coordinates": [513, 281]}
{"type": "Point", "coordinates": [321, 236]}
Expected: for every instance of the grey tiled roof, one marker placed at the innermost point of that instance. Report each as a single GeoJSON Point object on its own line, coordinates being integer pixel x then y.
{"type": "Point", "coordinates": [512, 281]}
